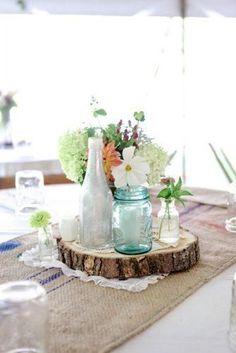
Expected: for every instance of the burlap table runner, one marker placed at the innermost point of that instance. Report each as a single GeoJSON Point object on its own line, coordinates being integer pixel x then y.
{"type": "Point", "coordinates": [89, 318]}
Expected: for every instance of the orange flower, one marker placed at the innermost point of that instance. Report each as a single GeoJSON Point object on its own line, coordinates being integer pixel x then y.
{"type": "Point", "coordinates": [111, 158]}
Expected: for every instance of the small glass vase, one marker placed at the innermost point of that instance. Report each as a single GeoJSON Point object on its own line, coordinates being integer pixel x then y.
{"type": "Point", "coordinates": [132, 220]}
{"type": "Point", "coordinates": [168, 222]}
{"type": "Point", "coordinates": [46, 243]}
{"type": "Point", "coordinates": [6, 135]}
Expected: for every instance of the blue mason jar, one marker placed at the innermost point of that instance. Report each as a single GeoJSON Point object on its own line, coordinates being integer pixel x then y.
{"type": "Point", "coordinates": [132, 220]}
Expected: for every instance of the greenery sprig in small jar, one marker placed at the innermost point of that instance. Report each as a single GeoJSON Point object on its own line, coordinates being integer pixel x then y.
{"type": "Point", "coordinates": [168, 216]}
{"type": "Point", "coordinates": [46, 242]}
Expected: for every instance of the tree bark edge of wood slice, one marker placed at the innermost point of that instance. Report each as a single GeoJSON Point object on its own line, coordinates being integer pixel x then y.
{"type": "Point", "coordinates": [116, 265]}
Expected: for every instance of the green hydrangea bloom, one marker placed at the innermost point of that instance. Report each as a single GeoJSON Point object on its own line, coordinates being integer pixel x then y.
{"type": "Point", "coordinates": [40, 219]}
{"type": "Point", "coordinates": [73, 148]}
{"type": "Point", "coordinates": [157, 159]}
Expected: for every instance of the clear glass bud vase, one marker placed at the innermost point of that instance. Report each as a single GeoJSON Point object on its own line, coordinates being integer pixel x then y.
{"type": "Point", "coordinates": [168, 222]}
{"type": "Point", "coordinates": [47, 243]}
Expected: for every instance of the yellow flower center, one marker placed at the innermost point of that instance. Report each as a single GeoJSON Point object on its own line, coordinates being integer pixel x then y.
{"type": "Point", "coordinates": [128, 168]}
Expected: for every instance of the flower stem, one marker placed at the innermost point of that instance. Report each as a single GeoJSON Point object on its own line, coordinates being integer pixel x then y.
{"type": "Point", "coordinates": [47, 241]}
{"type": "Point", "coordinates": [167, 213]}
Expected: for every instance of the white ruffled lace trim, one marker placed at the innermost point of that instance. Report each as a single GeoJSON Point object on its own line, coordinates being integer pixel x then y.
{"type": "Point", "coordinates": [31, 258]}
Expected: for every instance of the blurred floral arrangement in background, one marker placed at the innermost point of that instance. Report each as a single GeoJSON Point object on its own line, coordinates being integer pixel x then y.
{"type": "Point", "coordinates": [117, 138]}
{"type": "Point", "coordinates": [7, 102]}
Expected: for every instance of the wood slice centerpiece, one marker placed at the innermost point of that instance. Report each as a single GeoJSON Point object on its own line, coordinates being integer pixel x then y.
{"type": "Point", "coordinates": [115, 265]}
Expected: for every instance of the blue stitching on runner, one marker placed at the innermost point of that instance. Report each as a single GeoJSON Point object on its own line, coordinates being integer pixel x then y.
{"type": "Point", "coordinates": [9, 245]}
{"type": "Point", "coordinates": [51, 278]}
{"type": "Point", "coordinates": [61, 285]}
{"type": "Point", "coordinates": [37, 273]}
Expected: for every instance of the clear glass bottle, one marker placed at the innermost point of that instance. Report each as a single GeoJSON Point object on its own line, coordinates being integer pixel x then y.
{"type": "Point", "coordinates": [132, 220]}
{"type": "Point", "coordinates": [96, 201]}
{"type": "Point", "coordinates": [168, 222]}
{"type": "Point", "coordinates": [47, 243]}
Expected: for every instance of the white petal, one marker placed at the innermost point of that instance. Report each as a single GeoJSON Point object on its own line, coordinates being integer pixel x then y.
{"type": "Point", "coordinates": [140, 165]}
{"type": "Point", "coordinates": [120, 181]}
{"type": "Point", "coordinates": [128, 153]}
{"type": "Point", "coordinates": [141, 177]}
{"type": "Point", "coordinates": [119, 170]}
{"type": "Point", "coordinates": [139, 159]}
{"type": "Point", "coordinates": [132, 179]}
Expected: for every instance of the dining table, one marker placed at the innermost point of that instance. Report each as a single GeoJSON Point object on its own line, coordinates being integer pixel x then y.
{"type": "Point", "coordinates": [200, 323]}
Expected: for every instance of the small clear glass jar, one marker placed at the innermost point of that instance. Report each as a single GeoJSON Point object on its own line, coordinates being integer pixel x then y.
{"type": "Point", "coordinates": [47, 243]}
{"type": "Point", "coordinates": [23, 317]}
{"type": "Point", "coordinates": [168, 222]}
{"type": "Point", "coordinates": [132, 220]}
{"type": "Point", "coordinates": [29, 191]}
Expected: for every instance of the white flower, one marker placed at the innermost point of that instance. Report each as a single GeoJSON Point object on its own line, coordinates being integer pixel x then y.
{"type": "Point", "coordinates": [132, 171]}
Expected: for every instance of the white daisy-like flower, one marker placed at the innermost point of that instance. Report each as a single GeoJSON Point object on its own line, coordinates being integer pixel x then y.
{"type": "Point", "coordinates": [132, 171]}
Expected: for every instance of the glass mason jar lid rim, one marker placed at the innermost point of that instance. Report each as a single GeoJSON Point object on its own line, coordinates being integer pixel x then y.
{"type": "Point", "coordinates": [132, 193]}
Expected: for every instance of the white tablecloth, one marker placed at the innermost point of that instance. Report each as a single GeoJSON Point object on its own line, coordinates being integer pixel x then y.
{"type": "Point", "coordinates": [198, 325]}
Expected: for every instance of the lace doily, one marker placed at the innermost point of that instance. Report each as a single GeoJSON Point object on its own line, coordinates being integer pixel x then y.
{"type": "Point", "coordinates": [31, 258]}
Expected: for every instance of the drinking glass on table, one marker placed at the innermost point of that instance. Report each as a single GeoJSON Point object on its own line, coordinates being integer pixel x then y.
{"type": "Point", "coordinates": [29, 191]}
{"type": "Point", "coordinates": [23, 317]}
{"type": "Point", "coordinates": [232, 325]}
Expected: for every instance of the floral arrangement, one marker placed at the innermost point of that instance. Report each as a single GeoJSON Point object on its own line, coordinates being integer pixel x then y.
{"type": "Point", "coordinates": [172, 190]}
{"type": "Point", "coordinates": [168, 217]}
{"type": "Point", "coordinates": [40, 219]}
{"type": "Point", "coordinates": [7, 102]}
{"type": "Point", "coordinates": [129, 156]}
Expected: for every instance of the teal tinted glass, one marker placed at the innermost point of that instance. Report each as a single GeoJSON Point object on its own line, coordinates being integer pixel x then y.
{"type": "Point", "coordinates": [132, 220]}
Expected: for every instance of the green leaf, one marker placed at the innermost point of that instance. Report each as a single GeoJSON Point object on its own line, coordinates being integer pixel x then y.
{"type": "Point", "coordinates": [110, 133]}
{"type": "Point", "coordinates": [171, 156]}
{"type": "Point", "coordinates": [186, 193]}
{"type": "Point", "coordinates": [139, 116]}
{"type": "Point", "coordinates": [180, 200]}
{"type": "Point", "coordinates": [98, 112]}
{"type": "Point", "coordinates": [231, 168]}
{"type": "Point", "coordinates": [172, 188]}
{"type": "Point", "coordinates": [176, 194]}
{"type": "Point", "coordinates": [22, 4]}
{"type": "Point", "coordinates": [221, 164]}
{"type": "Point", "coordinates": [165, 193]}
{"type": "Point", "coordinates": [179, 184]}
{"type": "Point", "coordinates": [90, 131]}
